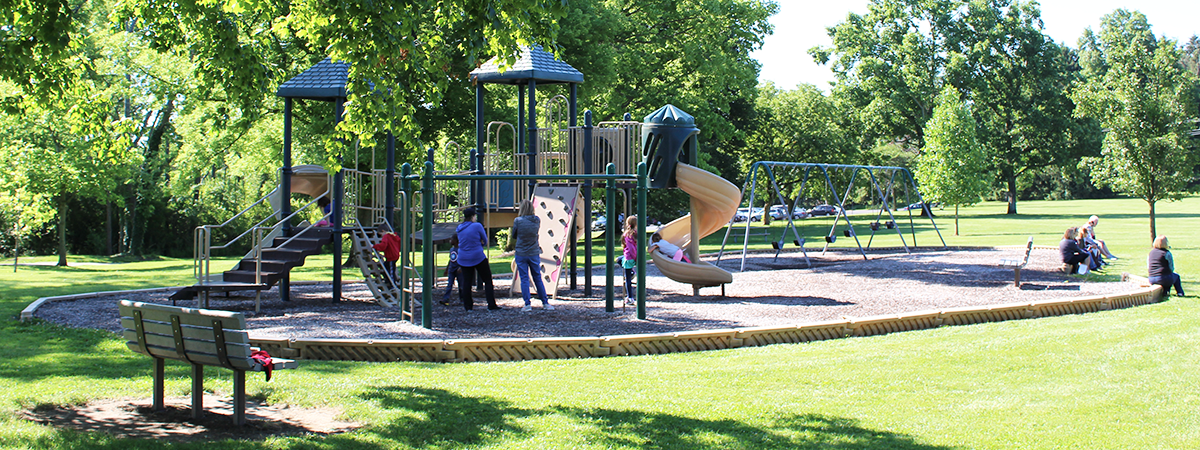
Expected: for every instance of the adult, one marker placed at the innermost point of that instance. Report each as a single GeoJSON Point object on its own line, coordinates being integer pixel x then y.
{"type": "Point", "coordinates": [1162, 267]}
{"type": "Point", "coordinates": [1072, 254]}
{"type": "Point", "coordinates": [528, 254]}
{"type": "Point", "coordinates": [1089, 238]}
{"type": "Point", "coordinates": [472, 238]}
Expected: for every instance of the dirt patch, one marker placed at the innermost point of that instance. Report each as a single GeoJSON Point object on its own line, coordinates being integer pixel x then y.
{"type": "Point", "coordinates": [134, 418]}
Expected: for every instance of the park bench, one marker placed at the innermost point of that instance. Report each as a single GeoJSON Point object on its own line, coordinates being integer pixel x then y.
{"type": "Point", "coordinates": [199, 337]}
{"type": "Point", "coordinates": [1018, 264]}
{"type": "Point", "coordinates": [739, 235]}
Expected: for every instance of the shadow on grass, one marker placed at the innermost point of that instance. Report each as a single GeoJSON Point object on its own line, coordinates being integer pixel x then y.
{"type": "Point", "coordinates": [37, 350]}
{"type": "Point", "coordinates": [442, 419]}
{"type": "Point", "coordinates": [435, 418]}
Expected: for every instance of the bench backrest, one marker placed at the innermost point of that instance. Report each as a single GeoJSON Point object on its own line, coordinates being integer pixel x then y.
{"type": "Point", "coordinates": [198, 336]}
{"type": "Point", "coordinates": [1028, 250]}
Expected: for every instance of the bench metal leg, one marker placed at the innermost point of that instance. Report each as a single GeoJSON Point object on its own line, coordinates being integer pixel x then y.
{"type": "Point", "coordinates": [197, 391]}
{"type": "Point", "coordinates": [1017, 276]}
{"type": "Point", "coordinates": [159, 374]}
{"type": "Point", "coordinates": [239, 397]}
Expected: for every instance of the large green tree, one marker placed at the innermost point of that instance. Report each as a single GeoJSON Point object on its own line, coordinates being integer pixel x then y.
{"type": "Point", "coordinates": [952, 168]}
{"type": "Point", "coordinates": [1139, 91]}
{"type": "Point", "coordinates": [890, 61]}
{"type": "Point", "coordinates": [695, 54]}
{"type": "Point", "coordinates": [1018, 79]}
{"type": "Point", "coordinates": [402, 56]}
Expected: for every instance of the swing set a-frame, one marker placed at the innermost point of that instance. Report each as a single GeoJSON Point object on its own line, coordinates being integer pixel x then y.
{"type": "Point", "coordinates": [885, 182]}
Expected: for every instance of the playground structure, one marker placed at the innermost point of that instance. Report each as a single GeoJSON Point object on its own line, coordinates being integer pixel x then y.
{"type": "Point", "coordinates": [884, 194]}
{"type": "Point", "coordinates": [504, 169]}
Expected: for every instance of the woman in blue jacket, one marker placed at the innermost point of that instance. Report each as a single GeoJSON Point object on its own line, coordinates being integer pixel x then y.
{"type": "Point", "coordinates": [472, 238]}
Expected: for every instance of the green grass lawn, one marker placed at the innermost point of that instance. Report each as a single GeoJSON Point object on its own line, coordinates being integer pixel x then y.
{"type": "Point", "coordinates": [1117, 379]}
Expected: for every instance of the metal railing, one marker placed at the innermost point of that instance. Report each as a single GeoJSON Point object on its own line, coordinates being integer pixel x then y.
{"type": "Point", "coordinates": [202, 244]}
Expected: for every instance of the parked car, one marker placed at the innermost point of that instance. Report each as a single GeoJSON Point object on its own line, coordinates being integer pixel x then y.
{"type": "Point", "coordinates": [599, 222]}
{"type": "Point", "coordinates": [917, 206]}
{"type": "Point", "coordinates": [756, 214]}
{"type": "Point", "coordinates": [779, 212]}
{"type": "Point", "coordinates": [800, 213]}
{"type": "Point", "coordinates": [741, 215]}
{"type": "Point", "coordinates": [824, 210]}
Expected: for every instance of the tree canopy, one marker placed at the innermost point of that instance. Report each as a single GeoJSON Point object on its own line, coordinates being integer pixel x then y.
{"type": "Point", "coordinates": [1139, 92]}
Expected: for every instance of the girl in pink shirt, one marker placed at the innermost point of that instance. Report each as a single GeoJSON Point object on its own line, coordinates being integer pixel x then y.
{"type": "Point", "coordinates": [630, 256]}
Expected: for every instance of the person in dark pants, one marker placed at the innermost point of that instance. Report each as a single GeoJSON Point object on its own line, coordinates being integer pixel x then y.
{"type": "Point", "coordinates": [472, 238]}
{"type": "Point", "coordinates": [1072, 254]}
{"type": "Point", "coordinates": [528, 254]}
{"type": "Point", "coordinates": [1162, 267]}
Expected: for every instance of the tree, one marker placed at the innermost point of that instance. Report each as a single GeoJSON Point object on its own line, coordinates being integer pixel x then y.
{"type": "Point", "coordinates": [402, 56]}
{"type": "Point", "coordinates": [1145, 101]}
{"type": "Point", "coordinates": [695, 54]}
{"type": "Point", "coordinates": [890, 61]}
{"type": "Point", "coordinates": [1018, 81]}
{"type": "Point", "coordinates": [1191, 56]}
{"type": "Point", "coordinates": [952, 167]}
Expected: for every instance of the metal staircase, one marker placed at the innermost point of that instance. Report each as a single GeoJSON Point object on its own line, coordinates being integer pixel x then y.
{"type": "Point", "coordinates": [255, 273]}
{"type": "Point", "coordinates": [387, 291]}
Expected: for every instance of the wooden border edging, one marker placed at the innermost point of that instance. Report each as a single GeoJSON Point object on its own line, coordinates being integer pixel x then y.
{"type": "Point", "coordinates": [520, 349]}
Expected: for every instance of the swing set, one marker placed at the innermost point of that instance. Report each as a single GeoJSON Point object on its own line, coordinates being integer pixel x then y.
{"type": "Point", "coordinates": [885, 181]}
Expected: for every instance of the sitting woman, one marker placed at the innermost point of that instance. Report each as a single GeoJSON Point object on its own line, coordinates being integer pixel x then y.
{"type": "Point", "coordinates": [1162, 267]}
{"type": "Point", "coordinates": [1072, 254]}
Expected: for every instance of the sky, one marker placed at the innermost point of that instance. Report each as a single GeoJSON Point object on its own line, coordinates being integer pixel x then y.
{"type": "Point", "coordinates": [800, 25]}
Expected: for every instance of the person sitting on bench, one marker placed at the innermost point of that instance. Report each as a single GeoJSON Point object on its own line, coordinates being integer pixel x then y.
{"type": "Point", "coordinates": [1072, 254]}
{"type": "Point", "coordinates": [665, 247]}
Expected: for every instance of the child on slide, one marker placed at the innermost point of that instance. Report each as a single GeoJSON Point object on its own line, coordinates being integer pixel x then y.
{"type": "Point", "coordinates": [667, 248]}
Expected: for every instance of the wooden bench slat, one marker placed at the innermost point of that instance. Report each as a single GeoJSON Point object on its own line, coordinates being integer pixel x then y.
{"type": "Point", "coordinates": [210, 359]}
{"type": "Point", "coordinates": [232, 335]}
{"type": "Point", "coordinates": [187, 316]}
{"type": "Point", "coordinates": [190, 345]}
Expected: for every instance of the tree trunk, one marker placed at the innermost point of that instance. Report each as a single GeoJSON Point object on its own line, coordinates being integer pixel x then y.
{"type": "Point", "coordinates": [108, 229]}
{"type": "Point", "coordinates": [62, 232]}
{"type": "Point", "coordinates": [956, 220]}
{"type": "Point", "coordinates": [1153, 230]}
{"type": "Point", "coordinates": [1012, 194]}
{"type": "Point", "coordinates": [17, 246]}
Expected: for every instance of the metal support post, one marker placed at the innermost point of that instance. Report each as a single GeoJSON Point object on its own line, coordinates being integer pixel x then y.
{"type": "Point", "coordinates": [428, 280]}
{"type": "Point", "coordinates": [610, 211]}
{"type": "Point", "coordinates": [642, 187]}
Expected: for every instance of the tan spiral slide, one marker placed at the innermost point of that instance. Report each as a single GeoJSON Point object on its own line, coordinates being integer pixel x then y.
{"type": "Point", "coordinates": [714, 202]}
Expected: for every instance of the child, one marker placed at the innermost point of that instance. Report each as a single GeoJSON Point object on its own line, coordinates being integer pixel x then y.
{"type": "Point", "coordinates": [390, 246]}
{"type": "Point", "coordinates": [323, 202]}
{"type": "Point", "coordinates": [629, 256]}
{"type": "Point", "coordinates": [453, 271]}
{"type": "Point", "coordinates": [667, 248]}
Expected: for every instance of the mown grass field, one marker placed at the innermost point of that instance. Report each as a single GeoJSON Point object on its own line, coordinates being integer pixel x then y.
{"type": "Point", "coordinates": [1117, 379]}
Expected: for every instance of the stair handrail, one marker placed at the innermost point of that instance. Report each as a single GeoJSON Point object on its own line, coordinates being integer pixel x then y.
{"type": "Point", "coordinates": [258, 243]}
{"type": "Point", "coordinates": [201, 266]}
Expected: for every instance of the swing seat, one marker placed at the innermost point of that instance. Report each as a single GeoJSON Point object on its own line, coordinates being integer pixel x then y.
{"type": "Point", "coordinates": [890, 224]}
{"type": "Point", "coordinates": [830, 239]}
{"type": "Point", "coordinates": [847, 233]}
{"type": "Point", "coordinates": [874, 226]}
